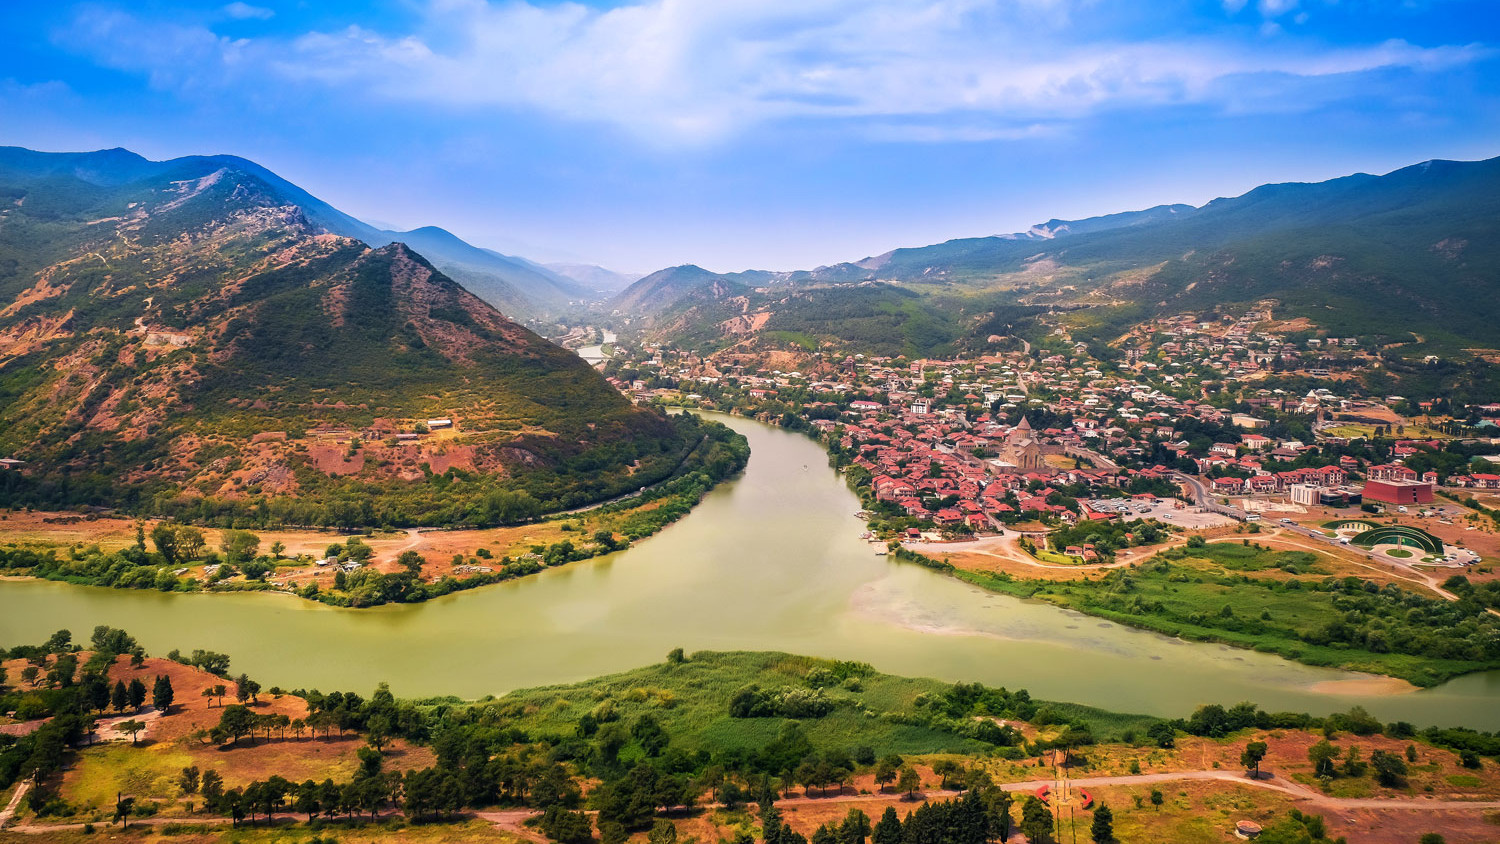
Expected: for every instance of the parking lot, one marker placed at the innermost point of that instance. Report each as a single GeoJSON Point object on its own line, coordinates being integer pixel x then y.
{"type": "Point", "coordinates": [1164, 510]}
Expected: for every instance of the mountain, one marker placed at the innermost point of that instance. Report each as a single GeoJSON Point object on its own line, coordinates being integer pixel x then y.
{"type": "Point", "coordinates": [595, 278]}
{"type": "Point", "coordinates": [187, 339]}
{"type": "Point", "coordinates": [514, 285]}
{"type": "Point", "coordinates": [1414, 251]}
{"type": "Point", "coordinates": [665, 289]}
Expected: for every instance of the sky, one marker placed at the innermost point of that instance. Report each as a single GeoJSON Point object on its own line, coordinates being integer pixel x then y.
{"type": "Point", "coordinates": [769, 134]}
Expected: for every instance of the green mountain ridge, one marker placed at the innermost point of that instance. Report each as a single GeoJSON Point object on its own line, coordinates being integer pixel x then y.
{"type": "Point", "coordinates": [187, 343]}
{"type": "Point", "coordinates": [1412, 252]}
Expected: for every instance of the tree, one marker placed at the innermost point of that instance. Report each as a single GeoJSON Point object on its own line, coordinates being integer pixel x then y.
{"type": "Point", "coordinates": [888, 830]}
{"type": "Point", "coordinates": [211, 786]}
{"type": "Point", "coordinates": [123, 805]}
{"type": "Point", "coordinates": [277, 549]}
{"type": "Point", "coordinates": [208, 693]}
{"type": "Point", "coordinates": [132, 726]}
{"type": "Point", "coordinates": [239, 546]}
{"type": "Point", "coordinates": [165, 537]}
{"type": "Point", "coordinates": [1156, 798]}
{"type": "Point", "coordinates": [162, 694]}
{"type": "Point", "coordinates": [1390, 770]}
{"type": "Point", "coordinates": [567, 827]}
{"type": "Point", "coordinates": [1163, 733]}
{"type": "Point", "coordinates": [189, 779]}
{"type": "Point", "coordinates": [378, 731]}
{"type": "Point", "coordinates": [307, 801]}
{"type": "Point", "coordinates": [1103, 828]}
{"type": "Point", "coordinates": [120, 697]}
{"type": "Point", "coordinates": [662, 832]}
{"type": "Point", "coordinates": [855, 828]}
{"type": "Point", "coordinates": [189, 542]}
{"type": "Point", "coordinates": [885, 771]}
{"type": "Point", "coordinates": [909, 781]}
{"type": "Point", "coordinates": [1254, 752]}
{"type": "Point", "coordinates": [1036, 821]}
{"type": "Point", "coordinates": [411, 561]}
{"type": "Point", "coordinates": [236, 721]}
{"type": "Point", "coordinates": [1322, 755]}
{"type": "Point", "coordinates": [137, 693]}
{"type": "Point", "coordinates": [997, 803]}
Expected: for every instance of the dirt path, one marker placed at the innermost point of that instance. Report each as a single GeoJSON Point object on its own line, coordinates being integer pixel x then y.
{"type": "Point", "coordinates": [1364, 560]}
{"type": "Point", "coordinates": [15, 801]}
{"type": "Point", "coordinates": [1295, 790]}
{"type": "Point", "coordinates": [513, 821]}
{"type": "Point", "coordinates": [1007, 547]}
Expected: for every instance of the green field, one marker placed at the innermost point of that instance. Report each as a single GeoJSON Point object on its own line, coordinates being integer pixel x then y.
{"type": "Point", "coordinates": [1295, 609]}
{"type": "Point", "coordinates": [885, 713]}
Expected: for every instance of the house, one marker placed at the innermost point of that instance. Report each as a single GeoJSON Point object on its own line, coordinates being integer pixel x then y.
{"type": "Point", "coordinates": [1391, 472]}
{"type": "Point", "coordinates": [1226, 486]}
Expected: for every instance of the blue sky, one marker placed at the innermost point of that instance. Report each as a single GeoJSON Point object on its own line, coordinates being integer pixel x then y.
{"type": "Point", "coordinates": [774, 134]}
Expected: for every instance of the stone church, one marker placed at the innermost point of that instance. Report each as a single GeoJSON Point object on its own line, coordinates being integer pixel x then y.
{"type": "Point", "coordinates": [1021, 449]}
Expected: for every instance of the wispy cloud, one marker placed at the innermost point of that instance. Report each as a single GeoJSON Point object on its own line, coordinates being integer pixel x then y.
{"type": "Point", "coordinates": [684, 71]}
{"type": "Point", "coordinates": [245, 11]}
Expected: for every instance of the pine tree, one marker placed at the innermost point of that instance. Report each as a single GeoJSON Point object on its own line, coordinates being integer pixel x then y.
{"type": "Point", "coordinates": [120, 697]}
{"type": "Point", "coordinates": [1103, 829]}
{"type": "Point", "coordinates": [888, 830]}
{"type": "Point", "coordinates": [137, 692]}
{"type": "Point", "coordinates": [162, 694]}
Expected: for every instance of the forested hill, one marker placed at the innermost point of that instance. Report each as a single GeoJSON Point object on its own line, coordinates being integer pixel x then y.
{"type": "Point", "coordinates": [186, 341]}
{"type": "Point", "coordinates": [1412, 252]}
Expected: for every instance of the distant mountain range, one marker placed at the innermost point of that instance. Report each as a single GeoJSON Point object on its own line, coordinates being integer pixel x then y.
{"type": "Point", "coordinates": [595, 278]}
{"type": "Point", "coordinates": [1413, 251]}
{"type": "Point", "coordinates": [516, 286]}
{"type": "Point", "coordinates": [199, 338]}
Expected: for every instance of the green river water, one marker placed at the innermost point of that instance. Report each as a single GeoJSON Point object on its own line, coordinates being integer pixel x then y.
{"type": "Point", "coordinates": [771, 561]}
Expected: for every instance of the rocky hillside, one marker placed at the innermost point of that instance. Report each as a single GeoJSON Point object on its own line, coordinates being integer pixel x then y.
{"type": "Point", "coordinates": [189, 342]}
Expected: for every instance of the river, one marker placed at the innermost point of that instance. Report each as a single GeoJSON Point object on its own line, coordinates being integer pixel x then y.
{"type": "Point", "coordinates": [770, 561]}
{"type": "Point", "coordinates": [595, 355]}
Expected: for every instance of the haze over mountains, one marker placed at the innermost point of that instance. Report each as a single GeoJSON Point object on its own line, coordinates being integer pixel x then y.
{"type": "Point", "coordinates": [1412, 251]}
{"type": "Point", "coordinates": [196, 337]}
{"type": "Point", "coordinates": [515, 285]}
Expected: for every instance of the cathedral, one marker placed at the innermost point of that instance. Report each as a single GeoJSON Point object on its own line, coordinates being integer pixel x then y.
{"type": "Point", "coordinates": [1021, 450]}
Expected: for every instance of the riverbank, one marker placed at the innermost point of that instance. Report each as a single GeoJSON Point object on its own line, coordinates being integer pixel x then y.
{"type": "Point", "coordinates": [1302, 604]}
{"type": "Point", "coordinates": [769, 561]}
{"type": "Point", "coordinates": [696, 737]}
{"type": "Point", "coordinates": [355, 570]}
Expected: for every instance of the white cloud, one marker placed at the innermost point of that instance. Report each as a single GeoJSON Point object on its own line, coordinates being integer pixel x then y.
{"type": "Point", "coordinates": [688, 71]}
{"type": "Point", "coordinates": [245, 11]}
{"type": "Point", "coordinates": [1277, 8]}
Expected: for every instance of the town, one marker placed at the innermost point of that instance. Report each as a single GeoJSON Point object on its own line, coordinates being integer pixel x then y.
{"type": "Point", "coordinates": [1189, 422]}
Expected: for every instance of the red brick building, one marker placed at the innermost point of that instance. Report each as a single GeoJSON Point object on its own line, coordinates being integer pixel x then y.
{"type": "Point", "coordinates": [1398, 492]}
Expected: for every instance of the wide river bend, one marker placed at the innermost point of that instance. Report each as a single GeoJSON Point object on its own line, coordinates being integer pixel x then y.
{"type": "Point", "coordinates": [770, 561]}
